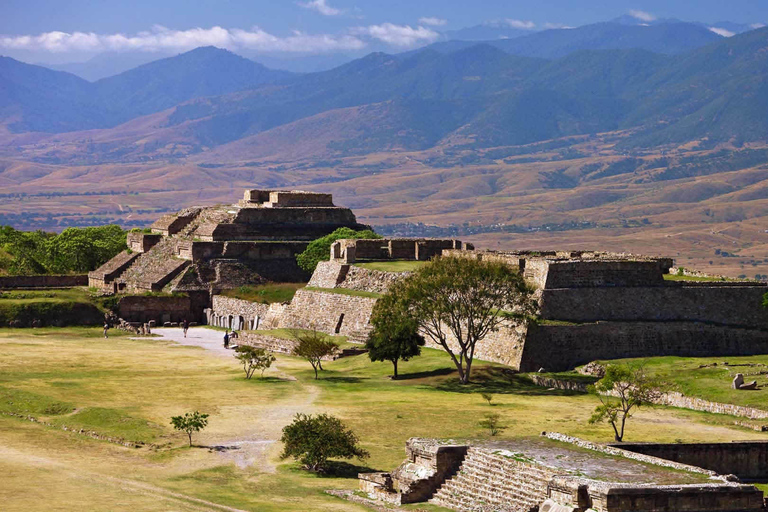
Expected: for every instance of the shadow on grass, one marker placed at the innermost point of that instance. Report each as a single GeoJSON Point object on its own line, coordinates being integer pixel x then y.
{"type": "Point", "coordinates": [426, 374]}
{"type": "Point", "coordinates": [499, 380]}
{"type": "Point", "coordinates": [269, 379]}
{"type": "Point", "coordinates": [341, 469]}
{"type": "Point", "coordinates": [340, 379]}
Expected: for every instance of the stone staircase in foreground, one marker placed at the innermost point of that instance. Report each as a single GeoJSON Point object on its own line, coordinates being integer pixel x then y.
{"type": "Point", "coordinates": [491, 481]}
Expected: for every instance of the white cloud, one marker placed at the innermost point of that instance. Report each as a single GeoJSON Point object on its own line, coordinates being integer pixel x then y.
{"type": "Point", "coordinates": [757, 25]}
{"type": "Point", "coordinates": [398, 35]}
{"type": "Point", "coordinates": [642, 15]}
{"type": "Point", "coordinates": [556, 25]}
{"type": "Point", "coordinates": [322, 7]}
{"type": "Point", "coordinates": [525, 25]}
{"type": "Point", "coordinates": [435, 22]}
{"type": "Point", "coordinates": [722, 32]}
{"type": "Point", "coordinates": [161, 38]}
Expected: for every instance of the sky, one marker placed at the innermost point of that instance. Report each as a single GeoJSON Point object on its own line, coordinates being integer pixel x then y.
{"type": "Point", "coordinates": [72, 30]}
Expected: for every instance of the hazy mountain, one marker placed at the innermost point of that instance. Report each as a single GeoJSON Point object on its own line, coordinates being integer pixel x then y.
{"type": "Point", "coordinates": [487, 32]}
{"type": "Point", "coordinates": [34, 98]}
{"type": "Point", "coordinates": [667, 38]}
{"type": "Point", "coordinates": [106, 64]}
{"type": "Point", "coordinates": [161, 84]}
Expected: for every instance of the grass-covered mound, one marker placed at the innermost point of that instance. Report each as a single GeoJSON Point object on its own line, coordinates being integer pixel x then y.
{"type": "Point", "coordinates": [265, 293]}
{"type": "Point", "coordinates": [71, 306]}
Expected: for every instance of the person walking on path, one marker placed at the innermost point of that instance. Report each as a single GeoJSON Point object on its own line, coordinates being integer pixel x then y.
{"type": "Point", "coordinates": [185, 326]}
{"type": "Point", "coordinates": [106, 328]}
{"type": "Point", "coordinates": [226, 339]}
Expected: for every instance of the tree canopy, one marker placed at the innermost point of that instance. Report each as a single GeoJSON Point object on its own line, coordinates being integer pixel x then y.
{"type": "Point", "coordinates": [320, 249]}
{"type": "Point", "coordinates": [457, 302]}
{"type": "Point", "coordinates": [189, 423]}
{"type": "Point", "coordinates": [313, 346]}
{"type": "Point", "coordinates": [623, 388]}
{"type": "Point", "coordinates": [73, 250]}
{"type": "Point", "coordinates": [395, 334]}
{"type": "Point", "coordinates": [314, 439]}
{"type": "Point", "coordinates": [253, 358]}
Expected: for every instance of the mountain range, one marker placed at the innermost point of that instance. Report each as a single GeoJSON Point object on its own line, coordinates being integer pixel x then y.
{"type": "Point", "coordinates": [483, 92]}
{"type": "Point", "coordinates": [505, 140]}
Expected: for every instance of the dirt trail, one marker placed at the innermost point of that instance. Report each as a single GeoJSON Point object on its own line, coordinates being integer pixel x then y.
{"type": "Point", "coordinates": [260, 431]}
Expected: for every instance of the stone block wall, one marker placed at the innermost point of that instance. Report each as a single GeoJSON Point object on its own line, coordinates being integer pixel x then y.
{"type": "Point", "coordinates": [328, 274]}
{"type": "Point", "coordinates": [235, 313]}
{"type": "Point", "coordinates": [745, 459]}
{"type": "Point", "coordinates": [739, 306]}
{"type": "Point", "coordinates": [142, 242]}
{"type": "Point", "coordinates": [414, 249]}
{"type": "Point", "coordinates": [47, 281]}
{"type": "Point", "coordinates": [507, 345]}
{"type": "Point", "coordinates": [161, 309]}
{"type": "Point", "coordinates": [328, 312]}
{"type": "Point", "coordinates": [587, 274]}
{"type": "Point", "coordinates": [562, 347]}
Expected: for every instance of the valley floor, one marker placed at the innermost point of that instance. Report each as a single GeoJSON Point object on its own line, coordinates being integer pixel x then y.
{"type": "Point", "coordinates": [129, 388]}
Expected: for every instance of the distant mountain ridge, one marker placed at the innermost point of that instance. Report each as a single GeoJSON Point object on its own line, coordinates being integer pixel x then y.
{"type": "Point", "coordinates": [34, 98]}
{"type": "Point", "coordinates": [481, 93]}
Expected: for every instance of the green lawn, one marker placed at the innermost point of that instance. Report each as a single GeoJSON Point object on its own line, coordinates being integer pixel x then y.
{"type": "Point", "coordinates": [345, 291]}
{"type": "Point", "coordinates": [128, 388]}
{"type": "Point", "coordinates": [714, 382]}
{"type": "Point", "coordinates": [675, 277]}
{"type": "Point", "coordinates": [392, 266]}
{"type": "Point", "coordinates": [266, 293]}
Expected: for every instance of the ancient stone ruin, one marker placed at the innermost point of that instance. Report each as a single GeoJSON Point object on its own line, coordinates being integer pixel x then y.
{"type": "Point", "coordinates": [202, 250]}
{"type": "Point", "coordinates": [564, 474]}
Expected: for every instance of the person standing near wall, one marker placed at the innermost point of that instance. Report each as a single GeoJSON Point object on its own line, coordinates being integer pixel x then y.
{"type": "Point", "coordinates": [106, 328]}
{"type": "Point", "coordinates": [226, 339]}
{"type": "Point", "coordinates": [185, 326]}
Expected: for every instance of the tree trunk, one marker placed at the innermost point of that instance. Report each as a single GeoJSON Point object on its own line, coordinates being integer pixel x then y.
{"type": "Point", "coordinates": [394, 363]}
{"type": "Point", "coordinates": [190, 439]}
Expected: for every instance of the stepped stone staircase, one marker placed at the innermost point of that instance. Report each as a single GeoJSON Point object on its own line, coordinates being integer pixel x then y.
{"type": "Point", "coordinates": [495, 481]}
{"type": "Point", "coordinates": [156, 267]}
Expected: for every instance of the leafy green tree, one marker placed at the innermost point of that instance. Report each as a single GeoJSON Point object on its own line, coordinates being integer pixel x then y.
{"type": "Point", "coordinates": [395, 335]}
{"type": "Point", "coordinates": [312, 440]}
{"type": "Point", "coordinates": [622, 389]}
{"type": "Point", "coordinates": [457, 302]}
{"type": "Point", "coordinates": [189, 423]}
{"type": "Point", "coordinates": [320, 249]}
{"type": "Point", "coordinates": [73, 250]}
{"type": "Point", "coordinates": [313, 346]}
{"type": "Point", "coordinates": [253, 358]}
{"type": "Point", "coordinates": [488, 397]}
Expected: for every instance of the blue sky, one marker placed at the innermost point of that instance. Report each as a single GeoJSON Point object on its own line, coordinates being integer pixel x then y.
{"type": "Point", "coordinates": [67, 28]}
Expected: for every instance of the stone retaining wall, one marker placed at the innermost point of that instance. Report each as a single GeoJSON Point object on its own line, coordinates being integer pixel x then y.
{"type": "Point", "coordinates": [235, 313]}
{"type": "Point", "coordinates": [328, 312]}
{"type": "Point", "coordinates": [739, 306]}
{"type": "Point", "coordinates": [47, 281]}
{"type": "Point", "coordinates": [141, 308]}
{"type": "Point", "coordinates": [562, 347]}
{"type": "Point", "coordinates": [745, 459]}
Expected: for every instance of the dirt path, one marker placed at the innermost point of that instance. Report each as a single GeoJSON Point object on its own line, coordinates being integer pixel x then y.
{"type": "Point", "coordinates": [260, 431]}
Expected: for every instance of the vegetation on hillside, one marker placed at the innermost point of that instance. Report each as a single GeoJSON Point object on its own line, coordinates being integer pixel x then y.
{"type": "Point", "coordinates": [74, 250]}
{"type": "Point", "coordinates": [320, 249]}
